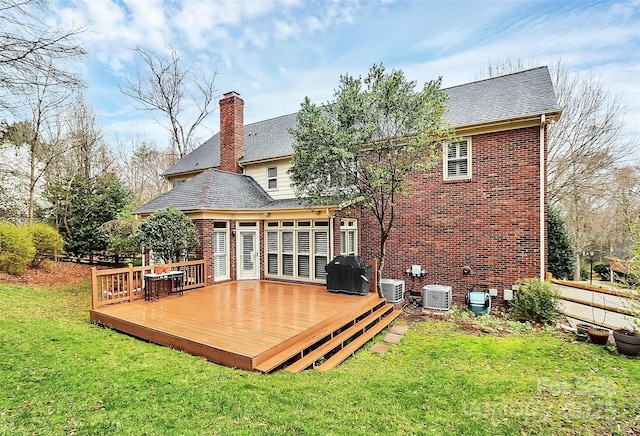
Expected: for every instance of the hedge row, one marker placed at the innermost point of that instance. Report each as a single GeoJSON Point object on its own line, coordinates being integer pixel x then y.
{"type": "Point", "coordinates": [27, 244]}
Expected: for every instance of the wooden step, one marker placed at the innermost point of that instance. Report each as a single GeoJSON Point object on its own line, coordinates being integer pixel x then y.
{"type": "Point", "coordinates": [298, 346]}
{"type": "Point", "coordinates": [358, 342]}
{"type": "Point", "coordinates": [338, 340]}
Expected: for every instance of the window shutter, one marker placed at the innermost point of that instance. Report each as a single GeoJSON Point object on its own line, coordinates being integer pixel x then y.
{"type": "Point", "coordinates": [272, 242]}
{"type": "Point", "coordinates": [303, 266]}
{"type": "Point", "coordinates": [272, 263]}
{"type": "Point", "coordinates": [287, 253]}
{"type": "Point", "coordinates": [220, 254]}
{"type": "Point", "coordinates": [272, 253]}
{"type": "Point", "coordinates": [321, 243]}
{"type": "Point", "coordinates": [287, 242]}
{"type": "Point", "coordinates": [304, 242]}
{"type": "Point", "coordinates": [458, 159]}
{"type": "Point", "coordinates": [320, 263]}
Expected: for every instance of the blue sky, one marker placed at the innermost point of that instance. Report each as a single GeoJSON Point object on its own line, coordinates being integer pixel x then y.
{"type": "Point", "coordinates": [274, 53]}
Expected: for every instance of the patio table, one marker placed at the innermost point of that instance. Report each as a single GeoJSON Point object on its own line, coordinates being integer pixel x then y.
{"type": "Point", "coordinates": [155, 282]}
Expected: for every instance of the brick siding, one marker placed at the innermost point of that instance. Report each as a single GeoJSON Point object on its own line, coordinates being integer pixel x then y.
{"type": "Point", "coordinates": [489, 223]}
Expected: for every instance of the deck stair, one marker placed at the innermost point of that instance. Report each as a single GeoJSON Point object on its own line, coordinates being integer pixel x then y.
{"type": "Point", "coordinates": [347, 342]}
{"type": "Point", "coordinates": [332, 340]}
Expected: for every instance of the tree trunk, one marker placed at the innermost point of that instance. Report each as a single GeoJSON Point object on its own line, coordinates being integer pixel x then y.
{"type": "Point", "coordinates": [383, 251]}
{"type": "Point", "coordinates": [576, 273]}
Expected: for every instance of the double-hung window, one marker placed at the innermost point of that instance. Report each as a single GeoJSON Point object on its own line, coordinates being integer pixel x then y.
{"type": "Point", "coordinates": [348, 237]}
{"type": "Point", "coordinates": [272, 177]}
{"type": "Point", "coordinates": [457, 159]}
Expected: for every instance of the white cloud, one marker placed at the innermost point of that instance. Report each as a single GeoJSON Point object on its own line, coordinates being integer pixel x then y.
{"type": "Point", "coordinates": [276, 52]}
{"type": "Point", "coordinates": [259, 40]}
{"type": "Point", "coordinates": [284, 30]}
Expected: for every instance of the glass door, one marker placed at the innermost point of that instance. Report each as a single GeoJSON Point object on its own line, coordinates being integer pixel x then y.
{"type": "Point", "coordinates": [248, 255]}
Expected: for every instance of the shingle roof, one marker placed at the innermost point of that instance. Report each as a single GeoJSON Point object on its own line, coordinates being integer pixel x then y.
{"type": "Point", "coordinates": [516, 95]}
{"type": "Point", "coordinates": [212, 189]}
{"type": "Point", "coordinates": [262, 140]}
{"type": "Point", "coordinates": [502, 98]}
{"type": "Point", "coordinates": [219, 190]}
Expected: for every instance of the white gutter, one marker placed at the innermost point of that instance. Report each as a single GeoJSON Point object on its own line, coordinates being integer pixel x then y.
{"type": "Point", "coordinates": [542, 197]}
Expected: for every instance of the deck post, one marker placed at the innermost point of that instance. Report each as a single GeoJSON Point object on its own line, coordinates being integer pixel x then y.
{"type": "Point", "coordinates": [94, 288]}
{"type": "Point", "coordinates": [130, 283]}
{"type": "Point", "coordinates": [374, 276]}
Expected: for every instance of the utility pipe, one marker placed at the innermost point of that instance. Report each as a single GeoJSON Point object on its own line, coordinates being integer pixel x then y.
{"type": "Point", "coordinates": [542, 196]}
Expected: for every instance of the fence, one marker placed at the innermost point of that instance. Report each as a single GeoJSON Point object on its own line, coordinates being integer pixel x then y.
{"type": "Point", "coordinates": [608, 308]}
{"type": "Point", "coordinates": [119, 285]}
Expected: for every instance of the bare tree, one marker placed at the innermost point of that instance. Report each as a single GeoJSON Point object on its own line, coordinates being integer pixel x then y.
{"type": "Point", "coordinates": [30, 47]}
{"type": "Point", "coordinates": [623, 191]}
{"type": "Point", "coordinates": [142, 169]}
{"type": "Point", "coordinates": [41, 135]}
{"type": "Point", "coordinates": [168, 87]}
{"type": "Point", "coordinates": [89, 155]}
{"type": "Point", "coordinates": [586, 143]}
{"type": "Point", "coordinates": [584, 149]}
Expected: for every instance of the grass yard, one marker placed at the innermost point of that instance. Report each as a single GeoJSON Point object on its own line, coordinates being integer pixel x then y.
{"type": "Point", "coordinates": [61, 375]}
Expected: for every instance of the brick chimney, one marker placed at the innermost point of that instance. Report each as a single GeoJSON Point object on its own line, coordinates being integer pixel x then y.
{"type": "Point", "coordinates": [231, 132]}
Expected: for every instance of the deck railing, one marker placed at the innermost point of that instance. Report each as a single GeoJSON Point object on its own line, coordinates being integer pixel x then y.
{"type": "Point", "coordinates": [118, 285]}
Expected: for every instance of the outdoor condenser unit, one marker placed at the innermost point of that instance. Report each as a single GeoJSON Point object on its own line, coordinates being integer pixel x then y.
{"type": "Point", "coordinates": [436, 297]}
{"type": "Point", "coordinates": [393, 290]}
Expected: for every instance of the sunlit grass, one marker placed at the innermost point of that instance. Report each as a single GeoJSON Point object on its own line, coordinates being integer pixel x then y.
{"type": "Point", "coordinates": [62, 375]}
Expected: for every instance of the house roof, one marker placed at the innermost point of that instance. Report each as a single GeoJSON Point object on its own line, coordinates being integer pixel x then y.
{"type": "Point", "coordinates": [266, 139]}
{"type": "Point", "coordinates": [212, 189]}
{"type": "Point", "coordinates": [513, 96]}
{"type": "Point", "coordinates": [518, 95]}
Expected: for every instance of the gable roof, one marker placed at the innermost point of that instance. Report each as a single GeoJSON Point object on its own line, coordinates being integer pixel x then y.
{"type": "Point", "coordinates": [518, 95]}
{"type": "Point", "coordinates": [513, 96]}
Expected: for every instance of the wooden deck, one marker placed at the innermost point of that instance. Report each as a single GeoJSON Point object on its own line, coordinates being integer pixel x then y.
{"type": "Point", "coordinates": [254, 325]}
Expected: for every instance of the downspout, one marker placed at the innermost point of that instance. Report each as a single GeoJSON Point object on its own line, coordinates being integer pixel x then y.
{"type": "Point", "coordinates": [542, 196]}
{"type": "Point", "coordinates": [331, 236]}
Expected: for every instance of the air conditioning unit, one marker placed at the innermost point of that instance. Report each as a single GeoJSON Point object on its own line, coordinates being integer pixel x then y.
{"type": "Point", "coordinates": [393, 290]}
{"type": "Point", "coordinates": [436, 297]}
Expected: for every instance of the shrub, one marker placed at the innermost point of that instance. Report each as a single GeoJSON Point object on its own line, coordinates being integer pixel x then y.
{"type": "Point", "coordinates": [602, 269]}
{"type": "Point", "coordinates": [47, 242]}
{"type": "Point", "coordinates": [535, 301]}
{"type": "Point", "coordinates": [16, 248]}
{"type": "Point", "coordinates": [169, 233]}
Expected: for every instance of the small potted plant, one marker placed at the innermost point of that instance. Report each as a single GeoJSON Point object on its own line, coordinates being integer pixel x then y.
{"type": "Point", "coordinates": [598, 335]}
{"type": "Point", "coordinates": [627, 341]}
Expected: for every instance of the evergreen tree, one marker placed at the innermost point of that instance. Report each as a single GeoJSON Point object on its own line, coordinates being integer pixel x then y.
{"type": "Point", "coordinates": [169, 233]}
{"type": "Point", "coordinates": [561, 253]}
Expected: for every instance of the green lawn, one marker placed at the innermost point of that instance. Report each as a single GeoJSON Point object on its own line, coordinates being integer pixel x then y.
{"type": "Point", "coordinates": [61, 375]}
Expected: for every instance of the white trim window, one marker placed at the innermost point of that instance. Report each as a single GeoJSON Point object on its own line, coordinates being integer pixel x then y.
{"type": "Point", "coordinates": [297, 249]}
{"type": "Point", "coordinates": [348, 237]}
{"type": "Point", "coordinates": [220, 251]}
{"type": "Point", "coordinates": [457, 159]}
{"type": "Point", "coordinates": [272, 177]}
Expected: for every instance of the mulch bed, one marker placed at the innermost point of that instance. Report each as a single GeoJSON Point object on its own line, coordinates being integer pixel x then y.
{"type": "Point", "coordinates": [51, 274]}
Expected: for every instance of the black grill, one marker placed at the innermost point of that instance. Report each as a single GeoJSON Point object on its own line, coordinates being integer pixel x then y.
{"type": "Point", "coordinates": [348, 274]}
